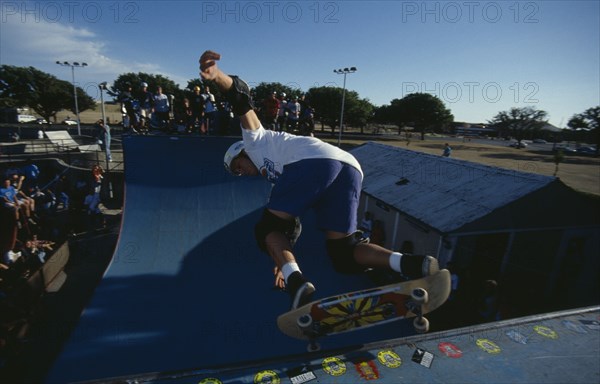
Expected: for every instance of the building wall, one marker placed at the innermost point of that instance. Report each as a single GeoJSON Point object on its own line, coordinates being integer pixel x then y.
{"type": "Point", "coordinates": [400, 230]}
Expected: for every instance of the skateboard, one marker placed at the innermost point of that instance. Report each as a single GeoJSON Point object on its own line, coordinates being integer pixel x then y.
{"type": "Point", "coordinates": [362, 309]}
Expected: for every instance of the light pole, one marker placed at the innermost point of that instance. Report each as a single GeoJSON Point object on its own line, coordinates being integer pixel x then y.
{"type": "Point", "coordinates": [102, 86]}
{"type": "Point", "coordinates": [344, 72]}
{"type": "Point", "coordinates": [73, 65]}
{"type": "Point", "coordinates": [106, 136]}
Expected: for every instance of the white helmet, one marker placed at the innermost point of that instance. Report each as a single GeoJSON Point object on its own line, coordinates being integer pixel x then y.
{"type": "Point", "coordinates": [234, 150]}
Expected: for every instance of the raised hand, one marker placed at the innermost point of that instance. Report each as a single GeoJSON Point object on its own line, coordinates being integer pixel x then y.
{"type": "Point", "coordinates": [208, 65]}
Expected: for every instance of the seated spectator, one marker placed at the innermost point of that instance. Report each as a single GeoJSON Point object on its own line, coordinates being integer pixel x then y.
{"type": "Point", "coordinates": [31, 172]}
{"type": "Point", "coordinates": [94, 214]}
{"type": "Point", "coordinates": [59, 191]}
{"type": "Point", "coordinates": [92, 202]}
{"type": "Point", "coordinates": [28, 203]}
{"type": "Point", "coordinates": [9, 198]}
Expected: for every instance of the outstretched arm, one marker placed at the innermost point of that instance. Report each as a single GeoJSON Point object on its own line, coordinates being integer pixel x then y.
{"type": "Point", "coordinates": [210, 71]}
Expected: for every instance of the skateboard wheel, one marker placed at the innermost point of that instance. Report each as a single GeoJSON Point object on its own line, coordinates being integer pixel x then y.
{"type": "Point", "coordinates": [421, 324]}
{"type": "Point", "coordinates": [419, 296]}
{"type": "Point", "coordinates": [304, 321]}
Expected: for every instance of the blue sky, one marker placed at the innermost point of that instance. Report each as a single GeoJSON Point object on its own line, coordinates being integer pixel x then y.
{"type": "Point", "coordinates": [478, 57]}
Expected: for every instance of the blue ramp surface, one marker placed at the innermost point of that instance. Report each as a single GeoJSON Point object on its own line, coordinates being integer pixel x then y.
{"type": "Point", "coordinates": [187, 286]}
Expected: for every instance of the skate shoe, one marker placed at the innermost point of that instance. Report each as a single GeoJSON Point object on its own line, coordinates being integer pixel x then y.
{"type": "Point", "coordinates": [300, 290]}
{"type": "Point", "coordinates": [418, 266]}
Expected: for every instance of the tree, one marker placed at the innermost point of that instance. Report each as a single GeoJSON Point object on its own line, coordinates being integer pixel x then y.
{"type": "Point", "coordinates": [519, 122]}
{"type": "Point", "coordinates": [327, 102]}
{"type": "Point", "coordinates": [588, 120]}
{"type": "Point", "coordinates": [42, 92]}
{"type": "Point", "coordinates": [422, 111]}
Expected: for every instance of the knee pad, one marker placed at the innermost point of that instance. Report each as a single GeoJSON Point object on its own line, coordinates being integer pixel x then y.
{"type": "Point", "coordinates": [341, 253]}
{"type": "Point", "coordinates": [270, 223]}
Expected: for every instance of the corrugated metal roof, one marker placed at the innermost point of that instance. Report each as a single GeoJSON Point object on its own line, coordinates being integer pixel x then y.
{"type": "Point", "coordinates": [443, 193]}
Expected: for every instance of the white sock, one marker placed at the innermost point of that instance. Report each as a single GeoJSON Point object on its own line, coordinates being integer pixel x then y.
{"type": "Point", "coordinates": [394, 261]}
{"type": "Point", "coordinates": [288, 269]}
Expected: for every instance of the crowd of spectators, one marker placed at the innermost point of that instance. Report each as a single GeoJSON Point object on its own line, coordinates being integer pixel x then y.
{"type": "Point", "coordinates": [37, 214]}
{"type": "Point", "coordinates": [200, 112]}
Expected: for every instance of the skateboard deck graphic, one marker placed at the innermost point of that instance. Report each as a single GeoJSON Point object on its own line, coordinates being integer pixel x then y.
{"type": "Point", "coordinates": [367, 308]}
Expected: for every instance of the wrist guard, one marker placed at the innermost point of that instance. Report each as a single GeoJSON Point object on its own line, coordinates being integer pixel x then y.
{"type": "Point", "coordinates": [239, 97]}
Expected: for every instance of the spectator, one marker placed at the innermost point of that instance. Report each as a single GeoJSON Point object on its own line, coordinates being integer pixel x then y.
{"type": "Point", "coordinates": [210, 111]}
{"type": "Point", "coordinates": [197, 104]}
{"type": "Point", "coordinates": [271, 105]}
{"type": "Point", "coordinates": [127, 102]}
{"type": "Point", "coordinates": [31, 173]}
{"type": "Point", "coordinates": [92, 205]}
{"type": "Point", "coordinates": [282, 113]}
{"type": "Point", "coordinates": [146, 102]}
{"type": "Point", "coordinates": [161, 108]}
{"type": "Point", "coordinates": [9, 198]}
{"type": "Point", "coordinates": [104, 136]}
{"type": "Point", "coordinates": [447, 150]}
{"type": "Point", "coordinates": [293, 108]}
{"type": "Point", "coordinates": [185, 118]}
{"type": "Point", "coordinates": [27, 202]}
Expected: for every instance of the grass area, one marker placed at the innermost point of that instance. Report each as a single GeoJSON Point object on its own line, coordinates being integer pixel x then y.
{"type": "Point", "coordinates": [579, 172]}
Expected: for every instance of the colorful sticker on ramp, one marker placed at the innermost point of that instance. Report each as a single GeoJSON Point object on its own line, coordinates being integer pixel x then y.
{"type": "Point", "coordinates": [389, 358]}
{"type": "Point", "coordinates": [264, 377]}
{"type": "Point", "coordinates": [488, 346]}
{"type": "Point", "coordinates": [334, 366]}
{"type": "Point", "coordinates": [450, 350]}
{"type": "Point", "coordinates": [367, 370]}
{"type": "Point", "coordinates": [423, 357]}
{"type": "Point", "coordinates": [210, 380]}
{"type": "Point", "coordinates": [546, 332]}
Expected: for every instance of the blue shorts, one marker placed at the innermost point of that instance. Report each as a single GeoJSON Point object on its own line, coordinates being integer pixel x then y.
{"type": "Point", "coordinates": [330, 187]}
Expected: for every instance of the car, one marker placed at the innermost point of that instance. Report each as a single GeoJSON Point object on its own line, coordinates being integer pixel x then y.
{"type": "Point", "coordinates": [518, 144]}
{"type": "Point", "coordinates": [590, 151]}
{"type": "Point", "coordinates": [26, 118]}
{"type": "Point", "coordinates": [41, 121]}
{"type": "Point", "coordinates": [70, 122]}
{"type": "Point", "coordinates": [540, 141]}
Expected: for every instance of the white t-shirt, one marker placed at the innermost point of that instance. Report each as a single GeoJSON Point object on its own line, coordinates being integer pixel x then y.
{"type": "Point", "coordinates": [270, 151]}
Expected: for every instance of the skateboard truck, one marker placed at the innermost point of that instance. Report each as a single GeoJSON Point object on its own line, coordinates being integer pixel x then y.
{"type": "Point", "coordinates": [305, 323]}
{"type": "Point", "coordinates": [419, 297]}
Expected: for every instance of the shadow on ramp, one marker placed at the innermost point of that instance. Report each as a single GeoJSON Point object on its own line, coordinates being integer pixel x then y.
{"type": "Point", "coordinates": [187, 286]}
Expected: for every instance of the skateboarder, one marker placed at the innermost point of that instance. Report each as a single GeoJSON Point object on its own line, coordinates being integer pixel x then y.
{"type": "Point", "coordinates": [306, 173]}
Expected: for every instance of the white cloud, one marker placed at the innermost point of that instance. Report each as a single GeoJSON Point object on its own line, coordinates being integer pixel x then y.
{"type": "Point", "coordinates": [40, 43]}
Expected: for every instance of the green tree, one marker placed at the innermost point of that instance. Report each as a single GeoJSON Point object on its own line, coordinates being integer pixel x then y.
{"type": "Point", "coordinates": [261, 91]}
{"type": "Point", "coordinates": [327, 102]}
{"type": "Point", "coordinates": [40, 91]}
{"type": "Point", "coordinates": [590, 121]}
{"type": "Point", "coordinates": [423, 111]}
{"type": "Point", "coordinates": [519, 122]}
